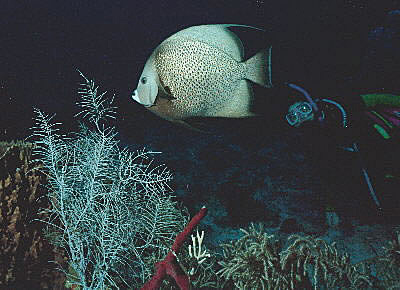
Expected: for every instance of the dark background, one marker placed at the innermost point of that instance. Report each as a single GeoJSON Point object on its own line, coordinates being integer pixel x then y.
{"type": "Point", "coordinates": [264, 174]}
{"type": "Point", "coordinates": [321, 44]}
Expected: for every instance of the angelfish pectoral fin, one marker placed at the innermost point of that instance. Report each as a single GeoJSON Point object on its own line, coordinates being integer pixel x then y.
{"type": "Point", "coordinates": [166, 93]}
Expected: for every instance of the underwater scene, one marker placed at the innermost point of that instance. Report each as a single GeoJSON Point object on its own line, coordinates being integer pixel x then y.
{"type": "Point", "coordinates": [245, 144]}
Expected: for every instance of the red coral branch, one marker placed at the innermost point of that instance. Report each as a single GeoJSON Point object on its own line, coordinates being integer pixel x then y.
{"type": "Point", "coordinates": [169, 265]}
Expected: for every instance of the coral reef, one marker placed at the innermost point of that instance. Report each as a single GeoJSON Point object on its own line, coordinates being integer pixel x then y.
{"type": "Point", "coordinates": [258, 261]}
{"type": "Point", "coordinates": [386, 267]}
{"type": "Point", "coordinates": [111, 209]}
{"type": "Point", "coordinates": [254, 262]}
{"type": "Point", "coordinates": [110, 217]}
{"type": "Point", "coordinates": [328, 267]}
{"type": "Point", "coordinates": [170, 266]}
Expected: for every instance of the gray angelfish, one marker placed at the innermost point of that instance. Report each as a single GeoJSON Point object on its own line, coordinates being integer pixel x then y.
{"type": "Point", "coordinates": [201, 72]}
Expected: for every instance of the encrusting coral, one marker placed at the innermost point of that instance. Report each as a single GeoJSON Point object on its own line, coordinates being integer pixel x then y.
{"type": "Point", "coordinates": [24, 252]}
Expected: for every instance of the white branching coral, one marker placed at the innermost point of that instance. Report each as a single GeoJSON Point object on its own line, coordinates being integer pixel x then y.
{"type": "Point", "coordinates": [198, 254]}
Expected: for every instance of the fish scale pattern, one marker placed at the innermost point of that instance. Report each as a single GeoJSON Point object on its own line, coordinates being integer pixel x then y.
{"type": "Point", "coordinates": [200, 71]}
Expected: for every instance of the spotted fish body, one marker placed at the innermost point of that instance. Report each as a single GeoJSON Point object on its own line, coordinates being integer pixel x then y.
{"type": "Point", "coordinates": [200, 72]}
{"type": "Point", "coordinates": [197, 79]}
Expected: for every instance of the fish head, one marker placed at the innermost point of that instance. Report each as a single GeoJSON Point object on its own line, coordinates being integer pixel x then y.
{"type": "Point", "coordinates": [147, 89]}
{"type": "Point", "coordinates": [152, 94]}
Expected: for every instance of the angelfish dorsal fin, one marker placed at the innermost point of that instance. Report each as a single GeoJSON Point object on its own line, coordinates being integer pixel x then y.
{"type": "Point", "coordinates": [253, 39]}
{"type": "Point", "coordinates": [257, 53]}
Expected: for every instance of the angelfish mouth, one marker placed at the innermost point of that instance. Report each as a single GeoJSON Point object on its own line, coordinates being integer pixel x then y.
{"type": "Point", "coordinates": [135, 96]}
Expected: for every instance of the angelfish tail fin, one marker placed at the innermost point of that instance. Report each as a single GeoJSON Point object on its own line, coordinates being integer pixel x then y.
{"type": "Point", "coordinates": [258, 68]}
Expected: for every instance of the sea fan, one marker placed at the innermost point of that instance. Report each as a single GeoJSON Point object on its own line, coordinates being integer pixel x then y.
{"type": "Point", "coordinates": [111, 209]}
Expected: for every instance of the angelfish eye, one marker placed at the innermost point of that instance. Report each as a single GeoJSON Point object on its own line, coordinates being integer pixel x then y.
{"type": "Point", "coordinates": [143, 80]}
